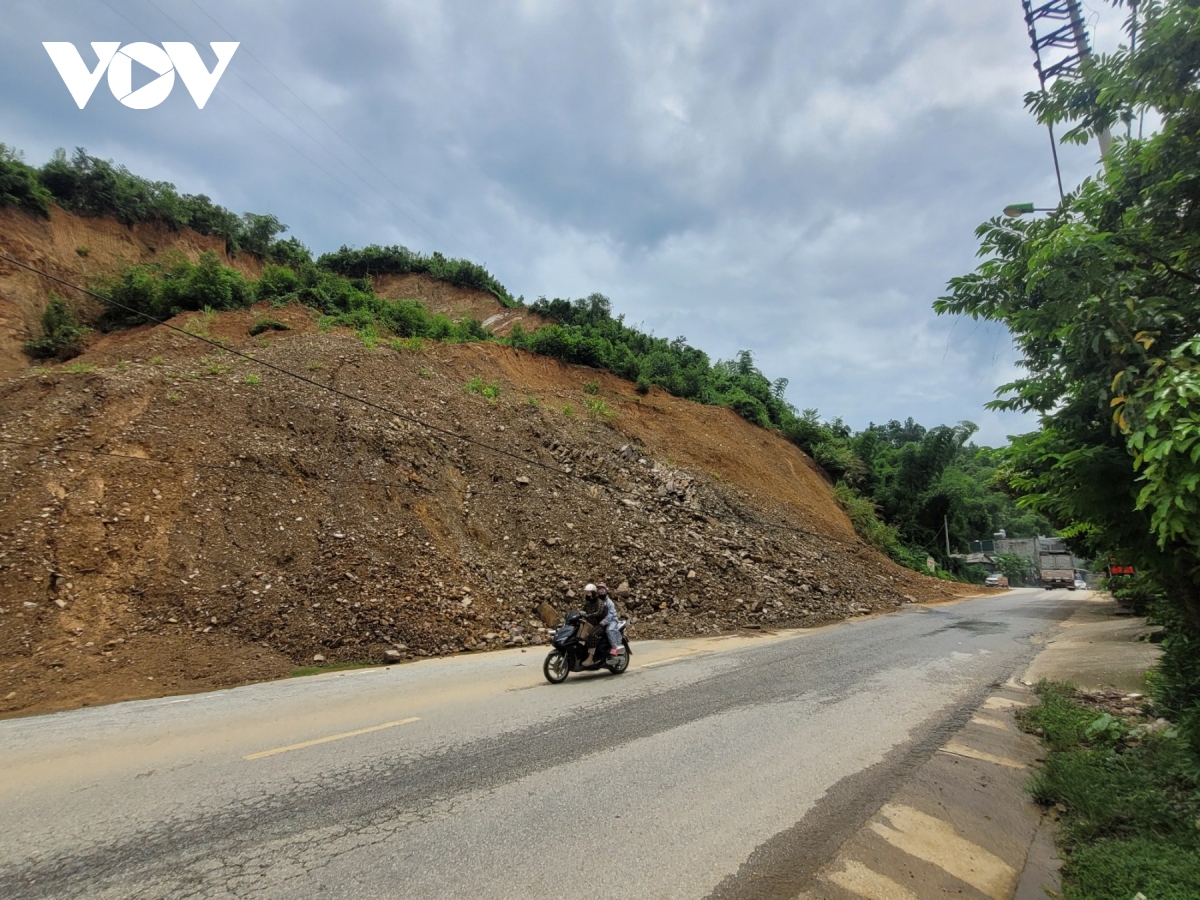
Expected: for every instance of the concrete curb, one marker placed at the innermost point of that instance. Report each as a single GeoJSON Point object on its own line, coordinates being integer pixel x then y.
{"type": "Point", "coordinates": [961, 826]}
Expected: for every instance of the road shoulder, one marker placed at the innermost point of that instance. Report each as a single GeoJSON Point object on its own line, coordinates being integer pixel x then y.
{"type": "Point", "coordinates": [963, 825]}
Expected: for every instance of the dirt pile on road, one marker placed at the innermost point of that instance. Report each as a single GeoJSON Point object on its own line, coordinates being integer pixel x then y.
{"type": "Point", "coordinates": [185, 519]}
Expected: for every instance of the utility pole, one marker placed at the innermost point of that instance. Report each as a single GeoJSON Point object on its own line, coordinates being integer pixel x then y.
{"type": "Point", "coordinates": [1062, 38]}
{"type": "Point", "coordinates": [946, 528]}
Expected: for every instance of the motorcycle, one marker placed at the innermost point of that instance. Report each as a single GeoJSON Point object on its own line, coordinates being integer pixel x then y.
{"type": "Point", "coordinates": [570, 651]}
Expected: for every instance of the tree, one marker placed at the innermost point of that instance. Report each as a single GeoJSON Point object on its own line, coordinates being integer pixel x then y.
{"type": "Point", "coordinates": [1018, 569]}
{"type": "Point", "coordinates": [1103, 299]}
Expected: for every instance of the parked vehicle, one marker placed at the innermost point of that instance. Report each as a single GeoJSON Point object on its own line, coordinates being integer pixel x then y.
{"type": "Point", "coordinates": [1080, 584]}
{"type": "Point", "coordinates": [1057, 570]}
{"type": "Point", "coordinates": [996, 579]}
{"type": "Point", "coordinates": [570, 651]}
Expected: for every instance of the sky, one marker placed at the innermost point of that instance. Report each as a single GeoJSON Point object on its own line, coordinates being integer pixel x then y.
{"type": "Point", "coordinates": [799, 180]}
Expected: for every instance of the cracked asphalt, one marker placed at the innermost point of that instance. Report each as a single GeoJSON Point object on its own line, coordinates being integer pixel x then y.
{"type": "Point", "coordinates": [719, 768]}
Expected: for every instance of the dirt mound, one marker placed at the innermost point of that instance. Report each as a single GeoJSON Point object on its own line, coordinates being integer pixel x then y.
{"type": "Point", "coordinates": [78, 250]}
{"type": "Point", "coordinates": [456, 302]}
{"type": "Point", "coordinates": [225, 523]}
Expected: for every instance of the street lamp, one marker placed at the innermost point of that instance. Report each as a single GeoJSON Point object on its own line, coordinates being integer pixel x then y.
{"type": "Point", "coordinates": [1021, 209]}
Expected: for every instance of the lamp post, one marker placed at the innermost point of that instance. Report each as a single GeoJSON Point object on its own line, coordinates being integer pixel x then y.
{"type": "Point", "coordinates": [1022, 209]}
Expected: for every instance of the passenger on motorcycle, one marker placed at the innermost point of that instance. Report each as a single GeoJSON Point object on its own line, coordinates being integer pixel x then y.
{"type": "Point", "coordinates": [601, 612]}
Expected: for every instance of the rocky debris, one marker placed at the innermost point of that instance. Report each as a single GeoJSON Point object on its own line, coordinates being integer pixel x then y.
{"type": "Point", "coordinates": [289, 525]}
{"type": "Point", "coordinates": [1117, 703]}
{"type": "Point", "coordinates": [392, 655]}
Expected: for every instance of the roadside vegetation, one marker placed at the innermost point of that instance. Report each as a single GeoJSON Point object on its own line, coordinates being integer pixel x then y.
{"type": "Point", "coordinates": [1102, 296]}
{"type": "Point", "coordinates": [1129, 798]}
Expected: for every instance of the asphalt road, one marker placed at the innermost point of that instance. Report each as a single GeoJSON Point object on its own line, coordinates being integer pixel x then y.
{"type": "Point", "coordinates": [711, 768]}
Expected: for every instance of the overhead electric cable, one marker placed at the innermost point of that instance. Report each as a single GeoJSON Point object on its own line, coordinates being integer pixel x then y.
{"type": "Point", "coordinates": [400, 414]}
{"type": "Point", "coordinates": [378, 171]}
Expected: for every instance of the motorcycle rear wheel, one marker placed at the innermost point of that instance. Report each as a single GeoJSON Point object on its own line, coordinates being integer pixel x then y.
{"type": "Point", "coordinates": [622, 662]}
{"type": "Point", "coordinates": [555, 668]}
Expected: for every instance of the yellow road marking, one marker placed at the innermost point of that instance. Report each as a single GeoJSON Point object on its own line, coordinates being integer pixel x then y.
{"type": "Point", "coordinates": [332, 737]}
{"type": "Point", "coordinates": [937, 842]}
{"type": "Point", "coordinates": [858, 879]}
{"type": "Point", "coordinates": [954, 748]}
{"type": "Point", "coordinates": [990, 723]}
{"type": "Point", "coordinates": [659, 662]}
{"type": "Point", "coordinates": [1001, 703]}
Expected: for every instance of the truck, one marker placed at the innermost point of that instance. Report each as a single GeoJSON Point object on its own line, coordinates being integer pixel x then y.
{"type": "Point", "coordinates": [1056, 570]}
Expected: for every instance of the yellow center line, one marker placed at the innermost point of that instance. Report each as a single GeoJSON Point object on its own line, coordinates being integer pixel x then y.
{"type": "Point", "coordinates": [659, 662]}
{"type": "Point", "coordinates": [332, 737]}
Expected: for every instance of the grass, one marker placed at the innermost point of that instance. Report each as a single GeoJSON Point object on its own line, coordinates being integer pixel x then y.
{"type": "Point", "coordinates": [316, 366]}
{"type": "Point", "coordinates": [568, 410]}
{"type": "Point", "coordinates": [412, 345]}
{"type": "Point", "coordinates": [424, 373]}
{"type": "Point", "coordinates": [217, 369]}
{"type": "Point", "coordinates": [199, 325]}
{"type": "Point", "coordinates": [1132, 801]}
{"type": "Point", "coordinates": [331, 667]}
{"type": "Point", "coordinates": [156, 360]}
{"type": "Point", "coordinates": [268, 324]}
{"type": "Point", "coordinates": [369, 335]}
{"type": "Point", "coordinates": [252, 380]}
{"type": "Point", "coordinates": [173, 397]}
{"type": "Point", "coordinates": [591, 387]}
{"type": "Point", "coordinates": [598, 409]}
{"type": "Point", "coordinates": [488, 389]}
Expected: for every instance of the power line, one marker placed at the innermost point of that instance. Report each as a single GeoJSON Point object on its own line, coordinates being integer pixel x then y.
{"type": "Point", "coordinates": [435, 237]}
{"type": "Point", "coordinates": [380, 172]}
{"type": "Point", "coordinates": [234, 469]}
{"type": "Point", "coordinates": [333, 390]}
{"type": "Point", "coordinates": [232, 100]}
{"type": "Point", "coordinates": [400, 414]}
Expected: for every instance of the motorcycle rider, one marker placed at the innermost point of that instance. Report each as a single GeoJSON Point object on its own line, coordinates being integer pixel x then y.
{"type": "Point", "coordinates": [601, 612]}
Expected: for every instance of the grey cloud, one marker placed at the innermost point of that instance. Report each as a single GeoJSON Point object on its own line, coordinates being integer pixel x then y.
{"type": "Point", "coordinates": [797, 180]}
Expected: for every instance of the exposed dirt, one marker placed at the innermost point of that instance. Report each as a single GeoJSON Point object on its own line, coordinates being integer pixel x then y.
{"type": "Point", "coordinates": [79, 250]}
{"type": "Point", "coordinates": [188, 520]}
{"type": "Point", "coordinates": [273, 522]}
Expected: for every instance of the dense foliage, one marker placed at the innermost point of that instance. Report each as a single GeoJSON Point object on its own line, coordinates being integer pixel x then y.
{"type": "Point", "coordinates": [1103, 298]}
{"type": "Point", "coordinates": [393, 260]}
{"type": "Point", "coordinates": [89, 186]}
{"type": "Point", "coordinates": [19, 185]}
{"type": "Point", "coordinates": [159, 291]}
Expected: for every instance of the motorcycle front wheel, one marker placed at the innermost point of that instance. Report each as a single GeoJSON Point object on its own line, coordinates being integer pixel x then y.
{"type": "Point", "coordinates": [556, 668]}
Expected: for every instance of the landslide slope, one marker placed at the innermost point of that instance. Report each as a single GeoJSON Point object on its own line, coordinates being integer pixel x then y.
{"type": "Point", "coordinates": [174, 518]}
{"type": "Point", "coordinates": [176, 526]}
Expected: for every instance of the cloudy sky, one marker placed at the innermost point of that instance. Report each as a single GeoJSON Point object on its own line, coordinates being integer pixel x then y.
{"type": "Point", "coordinates": [796, 179]}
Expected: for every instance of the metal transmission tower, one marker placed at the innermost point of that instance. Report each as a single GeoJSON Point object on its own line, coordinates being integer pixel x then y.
{"type": "Point", "coordinates": [1060, 45]}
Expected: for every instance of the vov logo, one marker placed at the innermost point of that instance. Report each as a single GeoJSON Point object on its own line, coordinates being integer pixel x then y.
{"type": "Point", "coordinates": [165, 61]}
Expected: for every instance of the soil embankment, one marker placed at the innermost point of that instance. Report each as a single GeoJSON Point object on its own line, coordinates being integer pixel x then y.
{"type": "Point", "coordinates": [174, 518]}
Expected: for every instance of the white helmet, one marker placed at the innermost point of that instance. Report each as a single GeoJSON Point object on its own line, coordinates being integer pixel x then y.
{"type": "Point", "coordinates": [589, 588]}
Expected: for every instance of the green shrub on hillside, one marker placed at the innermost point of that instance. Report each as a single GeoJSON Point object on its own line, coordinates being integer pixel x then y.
{"type": "Point", "coordinates": [19, 185]}
{"type": "Point", "coordinates": [62, 335]}
{"type": "Point", "coordinates": [397, 260]}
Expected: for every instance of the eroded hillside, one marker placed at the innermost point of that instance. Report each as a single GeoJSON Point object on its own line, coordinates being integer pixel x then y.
{"type": "Point", "coordinates": [185, 519]}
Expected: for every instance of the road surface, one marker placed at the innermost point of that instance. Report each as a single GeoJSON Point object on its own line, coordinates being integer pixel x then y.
{"type": "Point", "coordinates": [712, 768]}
